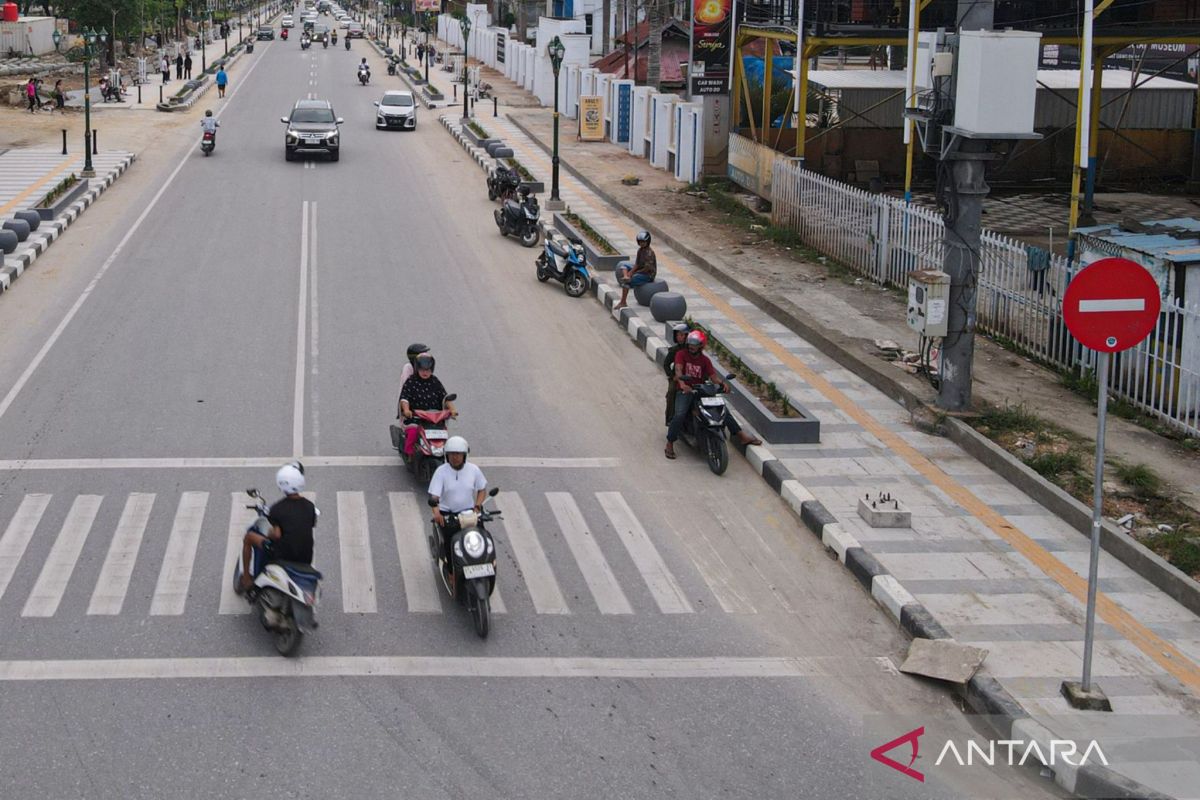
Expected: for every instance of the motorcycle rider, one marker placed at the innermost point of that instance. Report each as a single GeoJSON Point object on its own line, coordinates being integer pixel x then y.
{"type": "Point", "coordinates": [347, 41]}
{"type": "Point", "coordinates": [415, 349]}
{"type": "Point", "coordinates": [210, 123]}
{"type": "Point", "coordinates": [643, 269]}
{"type": "Point", "coordinates": [292, 521]}
{"type": "Point", "coordinates": [363, 66]}
{"type": "Point", "coordinates": [456, 486]}
{"type": "Point", "coordinates": [421, 392]}
{"type": "Point", "coordinates": [679, 332]}
{"type": "Point", "coordinates": [692, 368]}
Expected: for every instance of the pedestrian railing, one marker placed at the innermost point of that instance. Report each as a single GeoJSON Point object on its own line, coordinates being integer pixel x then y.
{"type": "Point", "coordinates": [1020, 287]}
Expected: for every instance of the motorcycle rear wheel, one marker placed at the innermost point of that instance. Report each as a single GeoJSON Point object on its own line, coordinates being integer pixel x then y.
{"type": "Point", "coordinates": [491, 193]}
{"type": "Point", "coordinates": [575, 284]}
{"type": "Point", "coordinates": [718, 454]}
{"type": "Point", "coordinates": [543, 272]}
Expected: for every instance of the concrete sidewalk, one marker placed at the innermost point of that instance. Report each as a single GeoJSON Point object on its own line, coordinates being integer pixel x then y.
{"type": "Point", "coordinates": [982, 562]}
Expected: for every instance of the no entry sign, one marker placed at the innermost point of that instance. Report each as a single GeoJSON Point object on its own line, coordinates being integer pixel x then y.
{"type": "Point", "coordinates": [1111, 305]}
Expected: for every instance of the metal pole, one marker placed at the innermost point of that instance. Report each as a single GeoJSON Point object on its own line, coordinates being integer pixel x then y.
{"type": "Point", "coordinates": [64, 131]}
{"type": "Point", "coordinates": [1097, 505]}
{"type": "Point", "coordinates": [554, 161]}
{"type": "Point", "coordinates": [95, 140]}
{"type": "Point", "coordinates": [88, 171]}
{"type": "Point", "coordinates": [139, 94]}
{"type": "Point", "coordinates": [466, 76]}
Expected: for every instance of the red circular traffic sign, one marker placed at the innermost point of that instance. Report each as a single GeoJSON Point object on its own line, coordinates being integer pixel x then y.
{"type": "Point", "coordinates": [1111, 305]}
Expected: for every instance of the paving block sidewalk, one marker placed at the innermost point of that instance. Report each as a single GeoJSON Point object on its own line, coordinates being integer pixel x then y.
{"type": "Point", "coordinates": [991, 566]}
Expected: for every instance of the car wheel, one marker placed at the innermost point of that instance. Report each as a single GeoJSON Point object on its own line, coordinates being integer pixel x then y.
{"type": "Point", "coordinates": [335, 155]}
{"type": "Point", "coordinates": [287, 155]}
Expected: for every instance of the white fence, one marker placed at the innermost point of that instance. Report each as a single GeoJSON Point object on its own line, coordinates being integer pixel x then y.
{"type": "Point", "coordinates": [1020, 287]}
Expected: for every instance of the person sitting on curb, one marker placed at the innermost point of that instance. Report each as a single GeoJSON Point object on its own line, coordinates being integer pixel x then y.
{"type": "Point", "coordinates": [642, 269]}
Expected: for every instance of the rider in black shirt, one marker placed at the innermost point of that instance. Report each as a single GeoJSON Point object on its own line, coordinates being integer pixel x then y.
{"type": "Point", "coordinates": [292, 521]}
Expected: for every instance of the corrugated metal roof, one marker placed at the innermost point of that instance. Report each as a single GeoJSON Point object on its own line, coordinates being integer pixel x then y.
{"type": "Point", "coordinates": [1176, 249]}
{"type": "Point", "coordinates": [1058, 79]}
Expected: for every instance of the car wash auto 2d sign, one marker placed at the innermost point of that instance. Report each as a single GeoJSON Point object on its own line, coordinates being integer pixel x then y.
{"type": "Point", "coordinates": [712, 31]}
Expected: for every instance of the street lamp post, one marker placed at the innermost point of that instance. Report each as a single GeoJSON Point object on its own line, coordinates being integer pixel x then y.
{"type": "Point", "coordinates": [90, 38]}
{"type": "Point", "coordinates": [225, 30]}
{"type": "Point", "coordinates": [426, 59]}
{"type": "Point", "coordinates": [465, 24]}
{"type": "Point", "coordinates": [57, 37]}
{"type": "Point", "coordinates": [203, 48]}
{"type": "Point", "coordinates": [555, 50]}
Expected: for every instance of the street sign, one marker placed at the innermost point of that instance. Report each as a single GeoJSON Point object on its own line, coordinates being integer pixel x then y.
{"type": "Point", "coordinates": [1112, 305]}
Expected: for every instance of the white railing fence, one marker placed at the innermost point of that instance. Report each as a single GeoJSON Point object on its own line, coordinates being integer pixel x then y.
{"type": "Point", "coordinates": [1020, 287]}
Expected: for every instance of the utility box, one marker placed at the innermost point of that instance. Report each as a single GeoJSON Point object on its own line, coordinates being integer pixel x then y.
{"type": "Point", "coordinates": [928, 298]}
{"type": "Point", "coordinates": [996, 83]}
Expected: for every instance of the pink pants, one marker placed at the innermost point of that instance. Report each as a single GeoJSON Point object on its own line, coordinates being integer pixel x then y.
{"type": "Point", "coordinates": [411, 433]}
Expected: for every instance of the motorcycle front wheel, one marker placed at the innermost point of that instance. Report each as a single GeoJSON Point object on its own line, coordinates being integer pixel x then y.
{"type": "Point", "coordinates": [575, 284]}
{"type": "Point", "coordinates": [718, 454]}
{"type": "Point", "coordinates": [491, 193]}
{"type": "Point", "coordinates": [287, 641]}
{"type": "Point", "coordinates": [481, 613]}
{"type": "Point", "coordinates": [530, 237]}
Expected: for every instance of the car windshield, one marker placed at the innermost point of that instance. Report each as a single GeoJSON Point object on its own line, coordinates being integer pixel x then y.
{"type": "Point", "coordinates": [397, 100]}
{"type": "Point", "coordinates": [312, 115]}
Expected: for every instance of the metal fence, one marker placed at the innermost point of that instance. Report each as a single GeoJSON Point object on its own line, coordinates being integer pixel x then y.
{"type": "Point", "coordinates": [1020, 287]}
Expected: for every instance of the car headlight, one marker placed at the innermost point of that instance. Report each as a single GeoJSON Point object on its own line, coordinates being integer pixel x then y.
{"type": "Point", "coordinates": [333, 138]}
{"type": "Point", "coordinates": [292, 135]}
{"type": "Point", "coordinates": [473, 543]}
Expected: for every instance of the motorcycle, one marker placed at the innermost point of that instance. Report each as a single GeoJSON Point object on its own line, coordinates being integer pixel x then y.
{"type": "Point", "coordinates": [305, 42]}
{"type": "Point", "coordinates": [503, 183]}
{"type": "Point", "coordinates": [208, 141]}
{"type": "Point", "coordinates": [519, 219]}
{"type": "Point", "coordinates": [325, 42]}
{"type": "Point", "coordinates": [333, 37]}
{"type": "Point", "coordinates": [484, 91]}
{"type": "Point", "coordinates": [283, 34]}
{"type": "Point", "coordinates": [284, 593]}
{"type": "Point", "coordinates": [392, 61]}
{"type": "Point", "coordinates": [428, 452]}
{"type": "Point", "coordinates": [364, 75]}
{"type": "Point", "coordinates": [347, 42]}
{"type": "Point", "coordinates": [470, 574]}
{"type": "Point", "coordinates": [571, 270]}
{"type": "Point", "coordinates": [704, 426]}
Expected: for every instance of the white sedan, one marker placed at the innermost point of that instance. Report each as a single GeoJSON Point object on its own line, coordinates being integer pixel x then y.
{"type": "Point", "coordinates": [397, 110]}
{"type": "Point", "coordinates": [288, 22]}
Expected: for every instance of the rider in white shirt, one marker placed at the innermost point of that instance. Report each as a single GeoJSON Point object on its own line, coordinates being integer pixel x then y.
{"type": "Point", "coordinates": [457, 485]}
{"type": "Point", "coordinates": [209, 123]}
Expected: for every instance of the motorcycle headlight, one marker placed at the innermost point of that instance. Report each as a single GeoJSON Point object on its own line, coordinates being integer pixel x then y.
{"type": "Point", "coordinates": [473, 543]}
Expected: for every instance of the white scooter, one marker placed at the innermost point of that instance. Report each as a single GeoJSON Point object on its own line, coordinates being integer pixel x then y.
{"type": "Point", "coordinates": [284, 593]}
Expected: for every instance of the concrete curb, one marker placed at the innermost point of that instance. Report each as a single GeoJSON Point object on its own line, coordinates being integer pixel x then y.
{"type": "Point", "coordinates": [40, 240]}
{"type": "Point", "coordinates": [982, 693]}
{"type": "Point", "coordinates": [1117, 543]}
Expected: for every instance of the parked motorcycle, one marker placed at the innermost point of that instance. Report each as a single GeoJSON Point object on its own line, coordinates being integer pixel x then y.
{"type": "Point", "coordinates": [428, 452]}
{"type": "Point", "coordinates": [284, 593]}
{"type": "Point", "coordinates": [566, 262]}
{"type": "Point", "coordinates": [470, 573]}
{"type": "Point", "coordinates": [503, 183]}
{"type": "Point", "coordinates": [364, 75]}
{"type": "Point", "coordinates": [208, 141]}
{"type": "Point", "coordinates": [519, 219]}
{"type": "Point", "coordinates": [704, 426]}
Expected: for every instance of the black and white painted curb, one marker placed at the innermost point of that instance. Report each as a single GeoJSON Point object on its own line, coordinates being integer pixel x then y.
{"type": "Point", "coordinates": [983, 693]}
{"type": "Point", "coordinates": [40, 240]}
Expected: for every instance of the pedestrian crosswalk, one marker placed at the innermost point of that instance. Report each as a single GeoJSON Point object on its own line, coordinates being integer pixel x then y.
{"type": "Point", "coordinates": [559, 554]}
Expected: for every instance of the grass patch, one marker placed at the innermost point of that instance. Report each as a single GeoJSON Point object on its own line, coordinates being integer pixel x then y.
{"type": "Point", "coordinates": [60, 188]}
{"type": "Point", "coordinates": [597, 239]}
{"type": "Point", "coordinates": [767, 392]}
{"type": "Point", "coordinates": [996, 420]}
{"type": "Point", "coordinates": [1055, 464]}
{"type": "Point", "coordinates": [1140, 478]}
{"type": "Point", "coordinates": [477, 130]}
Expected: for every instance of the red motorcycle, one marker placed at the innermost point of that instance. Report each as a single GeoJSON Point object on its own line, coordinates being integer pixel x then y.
{"type": "Point", "coordinates": [283, 34]}
{"type": "Point", "coordinates": [428, 452]}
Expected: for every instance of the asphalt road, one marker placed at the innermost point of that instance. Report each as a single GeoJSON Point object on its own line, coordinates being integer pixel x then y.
{"type": "Point", "coordinates": [665, 633]}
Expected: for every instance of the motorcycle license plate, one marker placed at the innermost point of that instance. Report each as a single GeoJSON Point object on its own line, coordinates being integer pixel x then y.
{"type": "Point", "coordinates": [712, 401]}
{"type": "Point", "coordinates": [471, 571]}
{"type": "Point", "coordinates": [437, 434]}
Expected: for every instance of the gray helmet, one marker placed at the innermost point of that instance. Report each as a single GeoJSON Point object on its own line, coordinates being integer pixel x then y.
{"type": "Point", "coordinates": [680, 327]}
{"type": "Point", "coordinates": [643, 238]}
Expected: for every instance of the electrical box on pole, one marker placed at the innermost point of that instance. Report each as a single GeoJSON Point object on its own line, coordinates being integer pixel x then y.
{"type": "Point", "coordinates": [928, 295]}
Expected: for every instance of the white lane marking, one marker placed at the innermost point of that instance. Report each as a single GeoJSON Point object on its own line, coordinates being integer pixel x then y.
{"type": "Point", "coordinates": [108, 262]}
{"type": "Point", "coordinates": [301, 339]}
{"type": "Point", "coordinates": [523, 539]}
{"type": "Point", "coordinates": [1122, 304]}
{"type": "Point", "coordinates": [497, 602]}
{"type": "Point", "coordinates": [240, 518]}
{"type": "Point", "coordinates": [312, 280]}
{"type": "Point", "coordinates": [109, 595]}
{"type": "Point", "coordinates": [175, 576]}
{"type": "Point", "coordinates": [659, 580]}
{"type": "Point", "coordinates": [525, 462]}
{"type": "Point", "coordinates": [56, 572]}
{"type": "Point", "coordinates": [358, 571]}
{"type": "Point", "coordinates": [596, 571]}
{"type": "Point", "coordinates": [431, 667]}
{"type": "Point", "coordinates": [17, 535]}
{"type": "Point", "coordinates": [421, 590]}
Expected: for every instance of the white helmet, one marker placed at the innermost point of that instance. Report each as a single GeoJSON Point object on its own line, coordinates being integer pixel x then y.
{"type": "Point", "coordinates": [457, 444]}
{"type": "Point", "coordinates": [290, 478]}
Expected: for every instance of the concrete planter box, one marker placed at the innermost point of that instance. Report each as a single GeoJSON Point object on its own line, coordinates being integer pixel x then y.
{"type": "Point", "coordinates": [61, 204]}
{"type": "Point", "coordinates": [596, 260]}
{"type": "Point", "coordinates": [432, 93]}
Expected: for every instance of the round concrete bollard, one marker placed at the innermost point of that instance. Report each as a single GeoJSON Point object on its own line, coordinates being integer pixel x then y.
{"type": "Point", "coordinates": [646, 291]}
{"type": "Point", "coordinates": [18, 226]}
{"type": "Point", "coordinates": [8, 241]}
{"type": "Point", "coordinates": [32, 217]}
{"type": "Point", "coordinates": [492, 146]}
{"type": "Point", "coordinates": [502, 152]}
{"type": "Point", "coordinates": [666, 306]}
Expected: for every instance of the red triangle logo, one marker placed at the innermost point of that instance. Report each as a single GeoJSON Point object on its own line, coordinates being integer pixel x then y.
{"type": "Point", "coordinates": [913, 739]}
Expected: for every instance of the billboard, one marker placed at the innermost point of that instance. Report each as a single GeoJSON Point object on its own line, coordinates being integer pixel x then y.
{"type": "Point", "coordinates": [712, 40]}
{"type": "Point", "coordinates": [591, 118]}
{"type": "Point", "coordinates": [429, 5]}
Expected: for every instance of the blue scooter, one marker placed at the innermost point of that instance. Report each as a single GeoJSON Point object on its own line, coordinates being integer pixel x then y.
{"type": "Point", "coordinates": [564, 260]}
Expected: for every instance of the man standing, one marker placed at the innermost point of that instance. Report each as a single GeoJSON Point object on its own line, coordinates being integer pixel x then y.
{"type": "Point", "coordinates": [187, 65]}
{"type": "Point", "coordinates": [165, 67]}
{"type": "Point", "coordinates": [179, 66]}
{"type": "Point", "coordinates": [222, 80]}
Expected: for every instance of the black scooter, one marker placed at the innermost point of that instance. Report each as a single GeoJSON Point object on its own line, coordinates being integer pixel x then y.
{"type": "Point", "coordinates": [347, 41]}
{"type": "Point", "coordinates": [467, 562]}
{"type": "Point", "coordinates": [704, 426]}
{"type": "Point", "coordinates": [503, 183]}
{"type": "Point", "coordinates": [520, 219]}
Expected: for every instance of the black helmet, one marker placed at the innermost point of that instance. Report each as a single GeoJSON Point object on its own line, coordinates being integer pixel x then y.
{"type": "Point", "coordinates": [680, 327]}
{"type": "Point", "coordinates": [415, 350]}
{"type": "Point", "coordinates": [425, 361]}
{"type": "Point", "coordinates": [643, 237]}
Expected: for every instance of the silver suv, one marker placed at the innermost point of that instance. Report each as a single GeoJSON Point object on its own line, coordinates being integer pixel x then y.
{"type": "Point", "coordinates": [312, 127]}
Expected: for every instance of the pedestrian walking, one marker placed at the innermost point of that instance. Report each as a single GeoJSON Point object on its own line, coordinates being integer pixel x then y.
{"type": "Point", "coordinates": [60, 98]}
{"type": "Point", "coordinates": [165, 67]}
{"type": "Point", "coordinates": [31, 94]}
{"type": "Point", "coordinates": [187, 65]}
{"type": "Point", "coordinates": [222, 80]}
{"type": "Point", "coordinates": [179, 66]}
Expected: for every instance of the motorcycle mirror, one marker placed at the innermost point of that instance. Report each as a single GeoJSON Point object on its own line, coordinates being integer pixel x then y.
{"type": "Point", "coordinates": [495, 491]}
{"type": "Point", "coordinates": [252, 492]}
{"type": "Point", "coordinates": [450, 398]}
{"type": "Point", "coordinates": [433, 501]}
{"type": "Point", "coordinates": [376, 103]}
{"type": "Point", "coordinates": [340, 120]}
